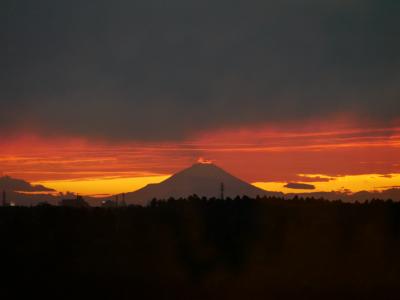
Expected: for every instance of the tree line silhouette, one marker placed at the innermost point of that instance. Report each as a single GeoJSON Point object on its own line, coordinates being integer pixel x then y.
{"type": "Point", "coordinates": [197, 248]}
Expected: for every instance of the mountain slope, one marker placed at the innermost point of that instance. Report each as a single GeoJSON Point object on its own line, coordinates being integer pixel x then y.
{"type": "Point", "coordinates": [200, 179]}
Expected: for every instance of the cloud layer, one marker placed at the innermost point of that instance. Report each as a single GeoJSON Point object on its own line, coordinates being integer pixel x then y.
{"type": "Point", "coordinates": [157, 70]}
{"type": "Point", "coordinates": [299, 186]}
{"type": "Point", "coordinates": [17, 185]}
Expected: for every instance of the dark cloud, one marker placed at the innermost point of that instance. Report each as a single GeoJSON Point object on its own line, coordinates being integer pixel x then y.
{"type": "Point", "coordinates": [17, 185]}
{"type": "Point", "coordinates": [300, 186]}
{"type": "Point", "coordinates": [315, 178]}
{"type": "Point", "coordinates": [152, 69]}
{"type": "Point", "coordinates": [386, 176]}
{"type": "Point", "coordinates": [389, 187]}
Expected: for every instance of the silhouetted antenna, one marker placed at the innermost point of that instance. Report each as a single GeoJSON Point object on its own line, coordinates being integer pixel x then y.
{"type": "Point", "coordinates": [222, 190]}
{"type": "Point", "coordinates": [123, 200]}
{"type": "Point", "coordinates": [4, 198]}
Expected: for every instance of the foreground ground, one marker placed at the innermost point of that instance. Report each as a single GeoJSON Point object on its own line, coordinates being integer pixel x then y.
{"type": "Point", "coordinates": [198, 249]}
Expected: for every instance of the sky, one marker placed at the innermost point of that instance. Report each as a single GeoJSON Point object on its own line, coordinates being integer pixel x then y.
{"type": "Point", "coordinates": [102, 97]}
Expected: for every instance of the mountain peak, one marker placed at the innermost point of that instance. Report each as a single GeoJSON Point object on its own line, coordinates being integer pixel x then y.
{"type": "Point", "coordinates": [202, 170]}
{"type": "Point", "coordinates": [204, 166]}
{"type": "Point", "coordinates": [202, 179]}
{"type": "Point", "coordinates": [204, 161]}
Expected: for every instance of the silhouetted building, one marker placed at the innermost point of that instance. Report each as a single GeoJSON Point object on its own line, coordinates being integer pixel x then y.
{"type": "Point", "coordinates": [78, 202]}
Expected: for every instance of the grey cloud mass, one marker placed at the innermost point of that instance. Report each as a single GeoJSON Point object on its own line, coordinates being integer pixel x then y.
{"type": "Point", "coordinates": [159, 70]}
{"type": "Point", "coordinates": [299, 186]}
{"type": "Point", "coordinates": [17, 185]}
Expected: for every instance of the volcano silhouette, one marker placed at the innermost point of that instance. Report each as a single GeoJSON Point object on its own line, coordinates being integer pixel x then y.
{"type": "Point", "coordinates": [200, 179]}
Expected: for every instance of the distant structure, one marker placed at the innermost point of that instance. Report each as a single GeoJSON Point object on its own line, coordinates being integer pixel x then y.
{"type": "Point", "coordinates": [78, 202]}
{"type": "Point", "coordinates": [44, 204]}
{"type": "Point", "coordinates": [123, 203]}
{"type": "Point", "coordinates": [108, 204]}
{"type": "Point", "coordinates": [116, 203]}
{"type": "Point", "coordinates": [4, 202]}
{"type": "Point", "coordinates": [222, 191]}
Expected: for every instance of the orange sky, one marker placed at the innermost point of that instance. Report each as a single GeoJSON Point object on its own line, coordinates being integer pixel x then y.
{"type": "Point", "coordinates": [334, 155]}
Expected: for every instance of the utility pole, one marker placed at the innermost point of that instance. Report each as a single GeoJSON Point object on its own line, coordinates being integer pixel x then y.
{"type": "Point", "coordinates": [4, 198]}
{"type": "Point", "coordinates": [123, 200]}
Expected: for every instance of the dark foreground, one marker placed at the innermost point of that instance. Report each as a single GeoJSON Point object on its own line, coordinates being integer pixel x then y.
{"type": "Point", "coordinates": [196, 249]}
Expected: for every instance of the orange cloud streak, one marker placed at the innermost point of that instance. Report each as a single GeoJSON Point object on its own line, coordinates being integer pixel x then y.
{"type": "Point", "coordinates": [262, 154]}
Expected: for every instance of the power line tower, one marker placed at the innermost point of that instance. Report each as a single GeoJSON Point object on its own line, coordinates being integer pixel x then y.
{"type": "Point", "coordinates": [4, 198]}
{"type": "Point", "coordinates": [123, 203]}
{"type": "Point", "coordinates": [222, 190]}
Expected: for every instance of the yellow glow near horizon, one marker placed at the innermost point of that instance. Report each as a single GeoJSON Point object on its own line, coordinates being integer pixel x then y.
{"type": "Point", "coordinates": [352, 183]}
{"type": "Point", "coordinates": [117, 185]}
{"type": "Point", "coordinates": [102, 186]}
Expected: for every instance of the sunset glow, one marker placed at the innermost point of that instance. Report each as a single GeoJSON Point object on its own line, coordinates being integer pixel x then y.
{"type": "Point", "coordinates": [344, 156]}
{"type": "Point", "coordinates": [347, 183]}
{"type": "Point", "coordinates": [100, 187]}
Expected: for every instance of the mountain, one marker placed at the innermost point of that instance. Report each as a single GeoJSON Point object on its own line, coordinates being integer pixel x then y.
{"type": "Point", "coordinates": [202, 179]}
